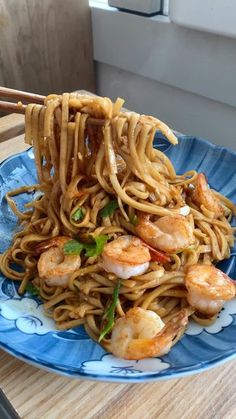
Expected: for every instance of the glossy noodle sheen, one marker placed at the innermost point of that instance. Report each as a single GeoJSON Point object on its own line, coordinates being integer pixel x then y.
{"type": "Point", "coordinates": [92, 157]}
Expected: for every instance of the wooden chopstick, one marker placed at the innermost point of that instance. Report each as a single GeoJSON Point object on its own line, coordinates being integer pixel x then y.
{"type": "Point", "coordinates": [20, 95]}
{"type": "Point", "coordinates": [12, 107]}
{"type": "Point", "coordinates": [29, 97]}
{"type": "Point", "coordinates": [20, 108]}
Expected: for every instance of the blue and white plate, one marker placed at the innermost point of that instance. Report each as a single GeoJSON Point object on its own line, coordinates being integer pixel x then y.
{"type": "Point", "coordinates": [27, 334]}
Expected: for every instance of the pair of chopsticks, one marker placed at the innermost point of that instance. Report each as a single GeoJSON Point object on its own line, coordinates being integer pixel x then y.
{"type": "Point", "coordinates": [17, 95]}
{"type": "Point", "coordinates": [20, 107]}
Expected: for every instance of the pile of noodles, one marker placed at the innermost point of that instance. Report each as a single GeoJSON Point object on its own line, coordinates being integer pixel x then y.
{"type": "Point", "coordinates": [88, 152]}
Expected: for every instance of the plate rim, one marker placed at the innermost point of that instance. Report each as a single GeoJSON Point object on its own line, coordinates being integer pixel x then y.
{"type": "Point", "coordinates": [155, 377]}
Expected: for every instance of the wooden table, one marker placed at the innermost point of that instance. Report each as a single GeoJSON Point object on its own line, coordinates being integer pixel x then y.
{"type": "Point", "coordinates": [37, 394]}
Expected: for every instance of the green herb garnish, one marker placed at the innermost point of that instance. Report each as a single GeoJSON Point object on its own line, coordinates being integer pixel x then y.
{"type": "Point", "coordinates": [78, 214]}
{"type": "Point", "coordinates": [133, 219]}
{"type": "Point", "coordinates": [109, 209]}
{"type": "Point", "coordinates": [110, 313]}
{"type": "Point", "coordinates": [74, 247]}
{"type": "Point", "coordinates": [31, 289]}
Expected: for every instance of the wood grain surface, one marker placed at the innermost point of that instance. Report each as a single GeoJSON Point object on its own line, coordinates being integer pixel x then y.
{"type": "Point", "coordinates": [11, 126]}
{"type": "Point", "coordinates": [37, 394]}
{"type": "Point", "coordinates": [46, 45]}
{"type": "Point", "coordinates": [12, 146]}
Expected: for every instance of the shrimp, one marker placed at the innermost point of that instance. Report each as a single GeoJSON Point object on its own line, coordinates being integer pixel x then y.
{"type": "Point", "coordinates": [126, 256]}
{"type": "Point", "coordinates": [54, 266]}
{"type": "Point", "coordinates": [171, 233]}
{"type": "Point", "coordinates": [208, 288]}
{"type": "Point", "coordinates": [203, 195]}
{"type": "Point", "coordinates": [142, 334]}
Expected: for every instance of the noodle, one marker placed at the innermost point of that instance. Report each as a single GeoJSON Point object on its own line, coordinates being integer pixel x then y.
{"type": "Point", "coordinates": [87, 153]}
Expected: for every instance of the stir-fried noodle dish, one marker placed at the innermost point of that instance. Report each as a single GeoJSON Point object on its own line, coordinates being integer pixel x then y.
{"type": "Point", "coordinates": [115, 239]}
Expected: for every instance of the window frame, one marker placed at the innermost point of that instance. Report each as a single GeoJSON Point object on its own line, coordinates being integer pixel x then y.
{"type": "Point", "coordinates": [146, 7]}
{"type": "Point", "coordinates": [205, 15]}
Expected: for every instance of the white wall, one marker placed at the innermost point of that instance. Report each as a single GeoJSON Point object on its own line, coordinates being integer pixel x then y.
{"type": "Point", "coordinates": [183, 76]}
{"type": "Point", "coordinates": [185, 112]}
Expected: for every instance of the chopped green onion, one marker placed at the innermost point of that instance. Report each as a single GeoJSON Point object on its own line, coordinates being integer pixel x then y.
{"type": "Point", "coordinates": [95, 249]}
{"type": "Point", "coordinates": [109, 209]}
{"type": "Point", "coordinates": [31, 289]}
{"type": "Point", "coordinates": [78, 214]}
{"type": "Point", "coordinates": [74, 247]}
{"type": "Point", "coordinates": [110, 313]}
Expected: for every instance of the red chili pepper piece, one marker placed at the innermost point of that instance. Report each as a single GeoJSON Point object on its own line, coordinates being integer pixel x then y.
{"type": "Point", "coordinates": [157, 255]}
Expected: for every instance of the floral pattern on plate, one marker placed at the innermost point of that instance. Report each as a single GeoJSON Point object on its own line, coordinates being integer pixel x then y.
{"type": "Point", "coordinates": [111, 365]}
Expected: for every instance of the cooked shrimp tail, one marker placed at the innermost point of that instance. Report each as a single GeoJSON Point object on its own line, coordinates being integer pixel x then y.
{"type": "Point", "coordinates": [170, 234]}
{"type": "Point", "coordinates": [162, 343]}
{"type": "Point", "coordinates": [142, 334]}
{"type": "Point", "coordinates": [126, 256]}
{"type": "Point", "coordinates": [208, 288]}
{"type": "Point", "coordinates": [54, 266]}
{"type": "Point", "coordinates": [203, 195]}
